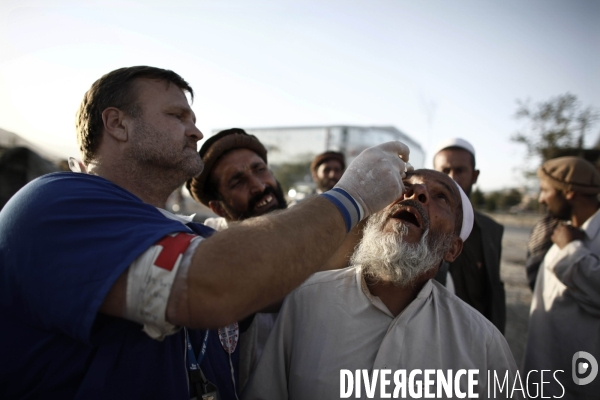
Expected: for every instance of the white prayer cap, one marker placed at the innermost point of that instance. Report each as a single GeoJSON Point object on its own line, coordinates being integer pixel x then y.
{"type": "Point", "coordinates": [468, 216]}
{"type": "Point", "coordinates": [455, 142]}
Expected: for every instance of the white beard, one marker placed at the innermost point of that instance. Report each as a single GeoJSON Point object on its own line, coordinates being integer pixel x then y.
{"type": "Point", "coordinates": [387, 257]}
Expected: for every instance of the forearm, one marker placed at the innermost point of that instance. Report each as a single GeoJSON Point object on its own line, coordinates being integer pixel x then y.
{"type": "Point", "coordinates": [579, 271]}
{"type": "Point", "coordinates": [249, 266]}
{"type": "Point", "coordinates": [256, 263]}
{"type": "Point", "coordinates": [341, 258]}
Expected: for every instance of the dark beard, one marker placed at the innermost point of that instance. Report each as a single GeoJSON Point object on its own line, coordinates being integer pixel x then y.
{"type": "Point", "coordinates": [326, 184]}
{"type": "Point", "coordinates": [249, 212]}
{"type": "Point", "coordinates": [564, 213]}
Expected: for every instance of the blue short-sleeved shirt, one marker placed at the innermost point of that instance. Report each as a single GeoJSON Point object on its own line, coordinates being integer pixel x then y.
{"type": "Point", "coordinates": [64, 240]}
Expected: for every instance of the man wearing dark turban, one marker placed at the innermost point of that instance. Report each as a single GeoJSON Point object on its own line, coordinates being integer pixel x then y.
{"type": "Point", "coordinates": [565, 311]}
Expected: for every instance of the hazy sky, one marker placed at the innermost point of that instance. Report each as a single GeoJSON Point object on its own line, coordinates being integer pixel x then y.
{"type": "Point", "coordinates": [434, 69]}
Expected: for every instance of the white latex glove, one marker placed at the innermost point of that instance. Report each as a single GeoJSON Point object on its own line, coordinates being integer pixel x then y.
{"type": "Point", "coordinates": [77, 166]}
{"type": "Point", "coordinates": [374, 178]}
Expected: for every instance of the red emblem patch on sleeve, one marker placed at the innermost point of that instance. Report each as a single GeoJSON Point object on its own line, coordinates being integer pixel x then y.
{"type": "Point", "coordinates": [172, 247]}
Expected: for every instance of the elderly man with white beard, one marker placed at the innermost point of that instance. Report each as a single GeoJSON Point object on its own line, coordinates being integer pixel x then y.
{"type": "Point", "coordinates": [383, 327]}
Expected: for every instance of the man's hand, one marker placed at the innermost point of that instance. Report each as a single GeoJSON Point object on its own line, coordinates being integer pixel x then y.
{"type": "Point", "coordinates": [374, 178]}
{"type": "Point", "coordinates": [565, 234]}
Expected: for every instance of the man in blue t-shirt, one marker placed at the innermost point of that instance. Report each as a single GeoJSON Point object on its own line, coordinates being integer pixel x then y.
{"type": "Point", "coordinates": [98, 279]}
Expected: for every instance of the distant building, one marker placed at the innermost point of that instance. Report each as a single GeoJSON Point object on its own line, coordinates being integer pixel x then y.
{"type": "Point", "coordinates": [300, 144]}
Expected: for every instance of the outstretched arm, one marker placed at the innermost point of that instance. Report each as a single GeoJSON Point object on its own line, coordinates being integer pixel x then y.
{"type": "Point", "coordinates": [254, 264]}
{"type": "Point", "coordinates": [248, 267]}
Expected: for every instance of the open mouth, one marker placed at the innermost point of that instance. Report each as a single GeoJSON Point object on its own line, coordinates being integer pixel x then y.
{"type": "Point", "coordinates": [408, 215]}
{"type": "Point", "coordinates": [267, 200]}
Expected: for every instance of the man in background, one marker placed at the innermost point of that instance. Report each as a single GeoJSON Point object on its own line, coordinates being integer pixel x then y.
{"type": "Point", "coordinates": [475, 274]}
{"type": "Point", "coordinates": [237, 184]}
{"type": "Point", "coordinates": [327, 169]}
{"type": "Point", "coordinates": [564, 319]}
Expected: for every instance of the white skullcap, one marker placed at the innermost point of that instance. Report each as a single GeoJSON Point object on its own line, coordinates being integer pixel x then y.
{"type": "Point", "coordinates": [455, 142]}
{"type": "Point", "coordinates": [468, 216]}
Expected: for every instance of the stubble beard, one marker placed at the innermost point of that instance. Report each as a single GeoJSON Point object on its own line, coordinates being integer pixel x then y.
{"type": "Point", "coordinates": [387, 257]}
{"type": "Point", "coordinates": [150, 154]}
{"type": "Point", "coordinates": [326, 184]}
{"type": "Point", "coordinates": [564, 212]}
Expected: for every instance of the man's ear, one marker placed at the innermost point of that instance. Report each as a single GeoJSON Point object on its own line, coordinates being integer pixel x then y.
{"type": "Point", "coordinates": [475, 176]}
{"type": "Point", "coordinates": [455, 249]}
{"type": "Point", "coordinates": [217, 208]}
{"type": "Point", "coordinates": [115, 123]}
{"type": "Point", "coordinates": [569, 195]}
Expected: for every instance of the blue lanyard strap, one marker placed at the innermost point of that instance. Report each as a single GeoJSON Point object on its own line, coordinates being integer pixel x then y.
{"type": "Point", "coordinates": [193, 363]}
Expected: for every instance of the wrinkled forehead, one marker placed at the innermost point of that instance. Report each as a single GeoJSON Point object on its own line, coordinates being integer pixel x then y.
{"type": "Point", "coordinates": [434, 178]}
{"type": "Point", "coordinates": [238, 158]}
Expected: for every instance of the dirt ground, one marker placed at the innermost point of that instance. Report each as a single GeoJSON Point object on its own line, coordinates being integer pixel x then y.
{"type": "Point", "coordinates": [512, 271]}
